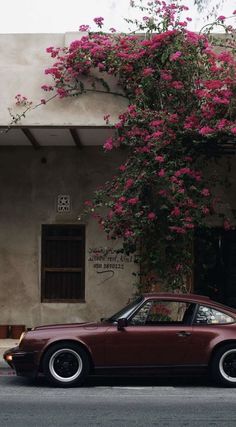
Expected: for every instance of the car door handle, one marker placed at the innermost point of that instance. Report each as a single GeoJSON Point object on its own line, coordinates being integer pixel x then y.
{"type": "Point", "coordinates": [184, 334]}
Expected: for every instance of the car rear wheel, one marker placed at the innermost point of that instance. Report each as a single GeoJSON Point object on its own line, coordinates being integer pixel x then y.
{"type": "Point", "coordinates": [66, 365]}
{"type": "Point", "coordinates": [224, 366]}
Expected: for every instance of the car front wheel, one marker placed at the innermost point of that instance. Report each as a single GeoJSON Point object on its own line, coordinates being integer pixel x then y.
{"type": "Point", "coordinates": [224, 366]}
{"type": "Point", "coordinates": [66, 365]}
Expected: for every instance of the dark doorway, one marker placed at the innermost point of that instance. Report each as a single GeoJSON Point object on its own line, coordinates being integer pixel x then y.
{"type": "Point", "coordinates": [215, 264]}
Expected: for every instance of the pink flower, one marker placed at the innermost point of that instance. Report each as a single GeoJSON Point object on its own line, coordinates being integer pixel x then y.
{"type": "Point", "coordinates": [148, 72]}
{"type": "Point", "coordinates": [161, 173]}
{"type": "Point", "coordinates": [205, 210]}
{"type": "Point", "coordinates": [166, 75]}
{"type": "Point", "coordinates": [99, 21]}
{"type": "Point", "coordinates": [233, 130]}
{"type": "Point", "coordinates": [128, 233]}
{"type": "Point", "coordinates": [226, 57]}
{"type": "Point", "coordinates": [108, 144]}
{"type": "Point", "coordinates": [118, 209]}
{"type": "Point", "coordinates": [129, 183]}
{"type": "Point", "coordinates": [175, 56]}
{"type": "Point", "coordinates": [47, 88]}
{"type": "Point", "coordinates": [177, 85]}
{"type": "Point", "coordinates": [133, 201]}
{"type": "Point", "coordinates": [192, 38]}
{"type": "Point", "coordinates": [122, 199]}
{"type": "Point", "coordinates": [151, 216]}
{"type": "Point", "coordinates": [188, 219]}
{"type": "Point", "coordinates": [189, 226]}
{"type": "Point", "coordinates": [219, 100]}
{"type": "Point", "coordinates": [213, 84]}
{"type": "Point", "coordinates": [182, 23]}
{"type": "Point", "coordinates": [176, 211]}
{"type": "Point", "coordinates": [122, 168]}
{"type": "Point", "coordinates": [206, 130]}
{"type": "Point", "coordinates": [222, 123]}
{"type": "Point", "coordinates": [159, 159]}
{"type": "Point", "coordinates": [182, 171]}
{"type": "Point", "coordinates": [84, 28]}
{"type": "Point", "coordinates": [43, 101]}
{"type": "Point", "coordinates": [221, 18]}
{"type": "Point", "coordinates": [62, 92]}
{"type": "Point", "coordinates": [157, 134]}
{"type": "Point", "coordinates": [156, 123]}
{"type": "Point", "coordinates": [205, 192]}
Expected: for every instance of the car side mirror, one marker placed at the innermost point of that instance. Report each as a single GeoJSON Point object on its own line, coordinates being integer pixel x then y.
{"type": "Point", "coordinates": [121, 324]}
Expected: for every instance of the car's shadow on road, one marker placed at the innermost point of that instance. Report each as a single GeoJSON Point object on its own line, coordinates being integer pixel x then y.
{"type": "Point", "coordinates": [95, 381]}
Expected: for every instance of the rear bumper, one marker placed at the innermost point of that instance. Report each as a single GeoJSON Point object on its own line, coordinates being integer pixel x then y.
{"type": "Point", "coordinates": [22, 362]}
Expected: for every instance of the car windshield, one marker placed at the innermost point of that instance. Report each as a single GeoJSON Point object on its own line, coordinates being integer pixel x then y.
{"type": "Point", "coordinates": [128, 309]}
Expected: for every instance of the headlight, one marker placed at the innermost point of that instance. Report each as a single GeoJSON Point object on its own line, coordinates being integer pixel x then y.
{"type": "Point", "coordinates": [21, 337]}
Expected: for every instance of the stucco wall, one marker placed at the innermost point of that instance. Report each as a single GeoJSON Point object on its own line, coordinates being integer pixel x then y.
{"type": "Point", "coordinates": [23, 61]}
{"type": "Point", "coordinates": [29, 184]}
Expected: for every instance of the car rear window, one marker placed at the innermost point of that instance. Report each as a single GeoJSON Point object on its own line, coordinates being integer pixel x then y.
{"type": "Point", "coordinates": [210, 316]}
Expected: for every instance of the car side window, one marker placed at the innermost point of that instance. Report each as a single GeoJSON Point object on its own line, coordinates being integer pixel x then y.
{"type": "Point", "coordinates": [141, 316]}
{"type": "Point", "coordinates": [163, 313]}
{"type": "Point", "coordinates": [209, 316]}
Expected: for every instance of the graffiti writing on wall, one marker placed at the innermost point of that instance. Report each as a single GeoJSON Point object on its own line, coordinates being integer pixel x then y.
{"type": "Point", "coordinates": [108, 260]}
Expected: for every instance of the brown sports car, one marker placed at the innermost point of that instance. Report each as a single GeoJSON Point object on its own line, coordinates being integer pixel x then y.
{"type": "Point", "coordinates": [156, 333]}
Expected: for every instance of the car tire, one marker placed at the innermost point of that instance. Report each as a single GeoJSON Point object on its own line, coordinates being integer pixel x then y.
{"type": "Point", "coordinates": [223, 367]}
{"type": "Point", "coordinates": [66, 365]}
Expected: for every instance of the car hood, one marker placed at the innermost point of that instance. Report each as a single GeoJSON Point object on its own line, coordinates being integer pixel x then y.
{"type": "Point", "coordinates": [85, 325]}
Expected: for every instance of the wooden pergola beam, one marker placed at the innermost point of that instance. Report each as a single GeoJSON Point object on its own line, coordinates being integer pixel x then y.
{"type": "Point", "coordinates": [31, 138]}
{"type": "Point", "coordinates": [76, 138]}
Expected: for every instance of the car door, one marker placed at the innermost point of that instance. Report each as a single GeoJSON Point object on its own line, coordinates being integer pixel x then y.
{"type": "Point", "coordinates": [159, 333]}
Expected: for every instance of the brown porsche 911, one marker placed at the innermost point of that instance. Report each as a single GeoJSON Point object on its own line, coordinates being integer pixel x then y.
{"type": "Point", "coordinates": [155, 334]}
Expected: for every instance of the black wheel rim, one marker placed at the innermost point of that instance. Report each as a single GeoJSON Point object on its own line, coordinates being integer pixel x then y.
{"type": "Point", "coordinates": [228, 365]}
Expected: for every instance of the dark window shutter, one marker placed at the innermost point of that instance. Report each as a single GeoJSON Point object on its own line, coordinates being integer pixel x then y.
{"type": "Point", "coordinates": [63, 263]}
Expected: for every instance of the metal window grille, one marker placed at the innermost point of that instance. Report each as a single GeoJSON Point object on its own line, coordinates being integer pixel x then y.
{"type": "Point", "coordinates": [63, 263]}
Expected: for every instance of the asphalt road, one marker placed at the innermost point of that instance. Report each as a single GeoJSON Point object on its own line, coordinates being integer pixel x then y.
{"type": "Point", "coordinates": [113, 403]}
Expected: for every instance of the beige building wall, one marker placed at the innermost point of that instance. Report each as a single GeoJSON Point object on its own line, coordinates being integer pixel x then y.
{"type": "Point", "coordinates": [23, 61]}
{"type": "Point", "coordinates": [30, 182]}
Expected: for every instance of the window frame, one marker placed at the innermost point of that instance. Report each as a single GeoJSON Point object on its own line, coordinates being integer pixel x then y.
{"type": "Point", "coordinates": [45, 269]}
{"type": "Point", "coordinates": [211, 324]}
{"type": "Point", "coordinates": [163, 324]}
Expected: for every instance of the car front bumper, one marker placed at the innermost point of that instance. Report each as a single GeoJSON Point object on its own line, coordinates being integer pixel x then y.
{"type": "Point", "coordinates": [22, 362]}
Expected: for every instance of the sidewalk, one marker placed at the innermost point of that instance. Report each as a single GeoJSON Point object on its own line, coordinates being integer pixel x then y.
{"type": "Point", "coordinates": [4, 345]}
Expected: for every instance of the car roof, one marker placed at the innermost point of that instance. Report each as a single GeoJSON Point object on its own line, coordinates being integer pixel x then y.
{"type": "Point", "coordinates": [177, 296]}
{"type": "Point", "coordinates": [189, 297]}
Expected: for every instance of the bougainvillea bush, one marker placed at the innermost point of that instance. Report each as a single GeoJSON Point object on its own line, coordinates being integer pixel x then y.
{"type": "Point", "coordinates": [182, 100]}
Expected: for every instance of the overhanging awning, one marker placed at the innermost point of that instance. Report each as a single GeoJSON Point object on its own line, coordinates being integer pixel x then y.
{"type": "Point", "coordinates": [54, 136]}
